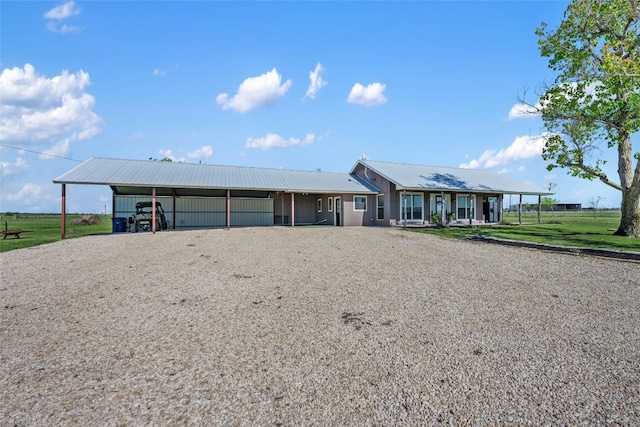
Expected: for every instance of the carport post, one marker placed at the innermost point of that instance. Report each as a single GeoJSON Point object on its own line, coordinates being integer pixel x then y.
{"type": "Point", "coordinates": [153, 210]}
{"type": "Point", "coordinates": [228, 209]}
{"type": "Point", "coordinates": [539, 209]}
{"type": "Point", "coordinates": [63, 217]}
{"type": "Point", "coordinates": [292, 210]}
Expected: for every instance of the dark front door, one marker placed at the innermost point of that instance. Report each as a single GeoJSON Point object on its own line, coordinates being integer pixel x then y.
{"type": "Point", "coordinates": [337, 211]}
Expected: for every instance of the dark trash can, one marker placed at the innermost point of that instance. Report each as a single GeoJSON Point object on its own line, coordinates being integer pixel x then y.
{"type": "Point", "coordinates": [119, 225]}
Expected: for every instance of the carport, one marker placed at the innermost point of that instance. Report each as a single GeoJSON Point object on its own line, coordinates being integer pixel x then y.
{"type": "Point", "coordinates": [231, 195]}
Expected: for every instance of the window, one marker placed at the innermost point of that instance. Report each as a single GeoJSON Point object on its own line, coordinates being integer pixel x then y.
{"type": "Point", "coordinates": [411, 206]}
{"type": "Point", "coordinates": [319, 205]}
{"type": "Point", "coordinates": [465, 206]}
{"type": "Point", "coordinates": [359, 203]}
{"type": "Point", "coordinates": [380, 203]}
{"type": "Point", "coordinates": [330, 204]}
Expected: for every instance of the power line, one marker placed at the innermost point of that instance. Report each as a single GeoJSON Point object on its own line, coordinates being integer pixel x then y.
{"type": "Point", "coordinates": [41, 153]}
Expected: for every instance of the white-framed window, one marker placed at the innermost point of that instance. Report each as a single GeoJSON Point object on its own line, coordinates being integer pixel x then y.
{"type": "Point", "coordinates": [411, 206]}
{"type": "Point", "coordinates": [465, 206]}
{"type": "Point", "coordinates": [380, 206]}
{"type": "Point", "coordinates": [359, 203]}
{"type": "Point", "coordinates": [330, 204]}
{"type": "Point", "coordinates": [319, 204]}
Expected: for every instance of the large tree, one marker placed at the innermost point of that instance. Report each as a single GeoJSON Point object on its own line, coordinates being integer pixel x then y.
{"type": "Point", "coordinates": [594, 102]}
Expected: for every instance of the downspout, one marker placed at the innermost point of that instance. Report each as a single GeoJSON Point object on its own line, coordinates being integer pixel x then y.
{"type": "Point", "coordinates": [63, 217]}
{"type": "Point", "coordinates": [153, 210]}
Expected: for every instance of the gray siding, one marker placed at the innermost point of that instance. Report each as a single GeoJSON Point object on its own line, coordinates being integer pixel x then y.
{"type": "Point", "coordinates": [204, 212]}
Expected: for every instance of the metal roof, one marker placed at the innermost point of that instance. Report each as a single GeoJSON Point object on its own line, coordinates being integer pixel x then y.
{"type": "Point", "coordinates": [145, 174]}
{"type": "Point", "coordinates": [421, 178]}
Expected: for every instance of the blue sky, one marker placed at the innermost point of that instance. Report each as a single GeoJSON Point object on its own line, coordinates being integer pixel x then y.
{"type": "Point", "coordinates": [296, 85]}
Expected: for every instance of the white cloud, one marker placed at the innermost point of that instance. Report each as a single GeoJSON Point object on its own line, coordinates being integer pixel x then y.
{"type": "Point", "coordinates": [368, 96]}
{"type": "Point", "coordinates": [519, 111]}
{"type": "Point", "coordinates": [276, 141]}
{"type": "Point", "coordinates": [59, 13]}
{"type": "Point", "coordinates": [136, 136]}
{"type": "Point", "coordinates": [28, 191]}
{"type": "Point", "coordinates": [255, 92]}
{"type": "Point", "coordinates": [201, 153]}
{"type": "Point", "coordinates": [63, 11]}
{"type": "Point", "coordinates": [522, 148]}
{"type": "Point", "coordinates": [9, 168]}
{"type": "Point", "coordinates": [60, 149]}
{"type": "Point", "coordinates": [37, 109]}
{"type": "Point", "coordinates": [317, 82]}
{"type": "Point", "coordinates": [501, 171]}
{"type": "Point", "coordinates": [159, 72]}
{"type": "Point", "coordinates": [64, 28]}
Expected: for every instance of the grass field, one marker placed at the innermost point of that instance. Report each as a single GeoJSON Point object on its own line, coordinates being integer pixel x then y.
{"type": "Point", "coordinates": [579, 229]}
{"type": "Point", "coordinates": [45, 228]}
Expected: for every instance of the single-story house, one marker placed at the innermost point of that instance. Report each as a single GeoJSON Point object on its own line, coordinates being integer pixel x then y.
{"type": "Point", "coordinates": [372, 193]}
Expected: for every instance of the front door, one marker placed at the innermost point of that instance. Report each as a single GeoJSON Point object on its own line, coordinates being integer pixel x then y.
{"type": "Point", "coordinates": [337, 211]}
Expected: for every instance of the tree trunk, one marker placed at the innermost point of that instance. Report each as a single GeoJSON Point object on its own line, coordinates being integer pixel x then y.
{"type": "Point", "coordinates": [630, 221]}
{"type": "Point", "coordinates": [630, 206]}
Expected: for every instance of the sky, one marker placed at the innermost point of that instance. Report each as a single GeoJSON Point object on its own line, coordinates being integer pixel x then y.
{"type": "Point", "coordinates": [289, 84]}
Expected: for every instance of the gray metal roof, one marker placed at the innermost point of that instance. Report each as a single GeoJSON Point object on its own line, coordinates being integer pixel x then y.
{"type": "Point", "coordinates": [120, 173]}
{"type": "Point", "coordinates": [421, 178]}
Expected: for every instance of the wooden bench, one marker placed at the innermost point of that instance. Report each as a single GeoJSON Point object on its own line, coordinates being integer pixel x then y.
{"type": "Point", "coordinates": [8, 232]}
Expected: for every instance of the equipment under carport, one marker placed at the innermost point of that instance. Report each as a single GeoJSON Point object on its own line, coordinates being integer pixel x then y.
{"type": "Point", "coordinates": [142, 220]}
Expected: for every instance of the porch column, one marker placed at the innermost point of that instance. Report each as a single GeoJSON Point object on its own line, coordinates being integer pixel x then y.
{"type": "Point", "coordinates": [444, 209]}
{"type": "Point", "coordinates": [63, 217]}
{"type": "Point", "coordinates": [153, 210]}
{"type": "Point", "coordinates": [520, 210]}
{"type": "Point", "coordinates": [539, 209]}
{"type": "Point", "coordinates": [403, 206]}
{"type": "Point", "coordinates": [500, 207]}
{"type": "Point", "coordinates": [228, 209]}
{"type": "Point", "coordinates": [293, 205]}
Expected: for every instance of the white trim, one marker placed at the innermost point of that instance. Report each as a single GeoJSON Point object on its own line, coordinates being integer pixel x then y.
{"type": "Point", "coordinates": [319, 205]}
{"type": "Point", "coordinates": [355, 203]}
{"type": "Point", "coordinates": [378, 196]}
{"type": "Point", "coordinates": [402, 208]}
{"type": "Point", "coordinates": [329, 204]}
{"type": "Point", "coordinates": [470, 209]}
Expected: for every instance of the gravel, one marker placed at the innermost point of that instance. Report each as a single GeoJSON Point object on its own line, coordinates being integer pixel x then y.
{"type": "Point", "coordinates": [315, 326]}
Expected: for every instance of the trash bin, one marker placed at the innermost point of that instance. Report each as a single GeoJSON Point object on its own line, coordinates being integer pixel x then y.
{"type": "Point", "coordinates": [119, 225]}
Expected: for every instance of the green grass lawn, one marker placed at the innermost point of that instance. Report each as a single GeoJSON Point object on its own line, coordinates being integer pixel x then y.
{"type": "Point", "coordinates": [579, 229]}
{"type": "Point", "coordinates": [45, 228]}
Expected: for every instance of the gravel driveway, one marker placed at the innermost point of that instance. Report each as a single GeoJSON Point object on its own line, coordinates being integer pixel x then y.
{"type": "Point", "coordinates": [315, 326]}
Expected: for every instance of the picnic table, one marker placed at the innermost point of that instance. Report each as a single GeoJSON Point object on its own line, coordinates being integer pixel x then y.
{"type": "Point", "coordinates": [8, 232]}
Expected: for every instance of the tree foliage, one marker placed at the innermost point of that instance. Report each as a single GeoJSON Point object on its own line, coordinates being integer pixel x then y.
{"type": "Point", "coordinates": [594, 102]}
